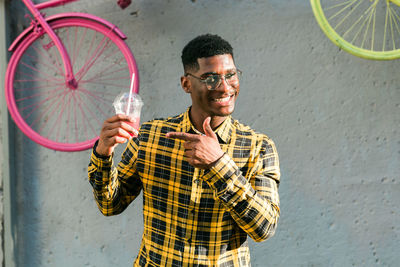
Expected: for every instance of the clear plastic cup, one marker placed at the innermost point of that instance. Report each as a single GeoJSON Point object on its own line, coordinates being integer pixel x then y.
{"type": "Point", "coordinates": [129, 106]}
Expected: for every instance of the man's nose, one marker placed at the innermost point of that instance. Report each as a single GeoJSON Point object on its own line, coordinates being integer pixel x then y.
{"type": "Point", "coordinates": [224, 85]}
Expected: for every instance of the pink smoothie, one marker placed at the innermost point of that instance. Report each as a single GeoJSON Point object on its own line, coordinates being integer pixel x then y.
{"type": "Point", "coordinates": [135, 125]}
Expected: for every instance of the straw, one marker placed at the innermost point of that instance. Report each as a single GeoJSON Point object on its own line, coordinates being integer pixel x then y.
{"type": "Point", "coordinates": [130, 93]}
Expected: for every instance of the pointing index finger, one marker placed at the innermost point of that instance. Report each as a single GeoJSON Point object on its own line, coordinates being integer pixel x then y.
{"type": "Point", "coordinates": [182, 136]}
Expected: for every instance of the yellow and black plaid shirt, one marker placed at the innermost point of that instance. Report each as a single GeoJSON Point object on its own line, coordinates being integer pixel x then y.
{"type": "Point", "coordinates": [193, 217]}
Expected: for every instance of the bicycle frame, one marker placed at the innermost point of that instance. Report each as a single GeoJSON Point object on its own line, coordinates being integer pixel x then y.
{"type": "Point", "coordinates": [52, 3]}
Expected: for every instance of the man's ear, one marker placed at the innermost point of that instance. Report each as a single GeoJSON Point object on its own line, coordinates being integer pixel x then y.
{"type": "Point", "coordinates": [185, 83]}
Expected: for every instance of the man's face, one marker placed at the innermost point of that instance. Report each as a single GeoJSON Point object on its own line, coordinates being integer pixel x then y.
{"type": "Point", "coordinates": [221, 101]}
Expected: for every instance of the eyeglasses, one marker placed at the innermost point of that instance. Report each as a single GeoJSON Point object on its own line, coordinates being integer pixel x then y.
{"type": "Point", "coordinates": [214, 81]}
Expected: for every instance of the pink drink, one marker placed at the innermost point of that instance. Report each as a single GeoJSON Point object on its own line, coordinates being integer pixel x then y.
{"type": "Point", "coordinates": [134, 124]}
{"type": "Point", "coordinates": [131, 105]}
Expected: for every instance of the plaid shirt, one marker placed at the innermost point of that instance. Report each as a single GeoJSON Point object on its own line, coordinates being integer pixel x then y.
{"type": "Point", "coordinates": [193, 217]}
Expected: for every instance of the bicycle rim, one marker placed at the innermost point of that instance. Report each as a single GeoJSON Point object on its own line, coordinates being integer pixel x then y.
{"type": "Point", "coordinates": [44, 107]}
{"type": "Point", "coordinates": [365, 28]}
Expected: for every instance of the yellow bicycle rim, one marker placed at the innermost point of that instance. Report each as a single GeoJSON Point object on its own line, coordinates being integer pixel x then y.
{"type": "Point", "coordinates": [382, 34]}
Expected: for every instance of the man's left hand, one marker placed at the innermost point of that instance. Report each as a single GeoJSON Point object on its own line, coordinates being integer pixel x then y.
{"type": "Point", "coordinates": [202, 151]}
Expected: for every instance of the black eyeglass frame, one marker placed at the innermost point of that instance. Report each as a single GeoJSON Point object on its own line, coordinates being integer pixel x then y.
{"type": "Point", "coordinates": [218, 84]}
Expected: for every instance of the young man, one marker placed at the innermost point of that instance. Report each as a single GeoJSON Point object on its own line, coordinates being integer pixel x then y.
{"type": "Point", "coordinates": [208, 181]}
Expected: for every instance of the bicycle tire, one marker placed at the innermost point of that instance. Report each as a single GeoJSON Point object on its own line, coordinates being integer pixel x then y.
{"type": "Point", "coordinates": [44, 107]}
{"type": "Point", "coordinates": [367, 29]}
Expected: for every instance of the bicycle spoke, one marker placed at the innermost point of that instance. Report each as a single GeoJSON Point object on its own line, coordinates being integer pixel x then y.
{"type": "Point", "coordinates": [109, 84]}
{"type": "Point", "coordinates": [94, 58]}
{"type": "Point", "coordinates": [76, 48]}
{"type": "Point", "coordinates": [396, 19]}
{"type": "Point", "coordinates": [357, 21]}
{"type": "Point", "coordinates": [58, 120]}
{"type": "Point", "coordinates": [76, 119]}
{"type": "Point", "coordinates": [373, 21]}
{"type": "Point", "coordinates": [47, 56]}
{"type": "Point", "coordinates": [101, 72]}
{"type": "Point", "coordinates": [97, 56]}
{"type": "Point", "coordinates": [89, 52]}
{"type": "Point", "coordinates": [69, 129]}
{"type": "Point", "coordinates": [67, 42]}
{"type": "Point", "coordinates": [90, 57]}
{"type": "Point", "coordinates": [39, 118]}
{"type": "Point", "coordinates": [68, 118]}
{"type": "Point", "coordinates": [339, 5]}
{"type": "Point", "coordinates": [34, 78]}
{"type": "Point", "coordinates": [35, 106]}
{"type": "Point", "coordinates": [348, 14]}
{"type": "Point", "coordinates": [395, 26]}
{"type": "Point", "coordinates": [97, 107]}
{"type": "Point", "coordinates": [385, 27]}
{"type": "Point", "coordinates": [101, 80]}
{"type": "Point", "coordinates": [100, 76]}
{"type": "Point", "coordinates": [103, 102]}
{"type": "Point", "coordinates": [84, 117]}
{"type": "Point", "coordinates": [108, 67]}
{"type": "Point", "coordinates": [391, 27]}
{"type": "Point", "coordinates": [51, 66]}
{"type": "Point", "coordinates": [342, 10]}
{"type": "Point", "coordinates": [30, 81]}
{"type": "Point", "coordinates": [91, 97]}
{"type": "Point", "coordinates": [35, 95]}
{"type": "Point", "coordinates": [366, 22]}
{"type": "Point", "coordinates": [64, 110]}
{"type": "Point", "coordinates": [55, 55]}
{"type": "Point", "coordinates": [68, 47]}
{"type": "Point", "coordinates": [71, 47]}
{"type": "Point", "coordinates": [36, 70]}
{"type": "Point", "coordinates": [373, 30]}
{"type": "Point", "coordinates": [96, 94]}
{"type": "Point", "coordinates": [51, 114]}
{"type": "Point", "coordinates": [77, 107]}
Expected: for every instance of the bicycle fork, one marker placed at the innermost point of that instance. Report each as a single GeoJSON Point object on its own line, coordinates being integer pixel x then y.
{"type": "Point", "coordinates": [38, 19]}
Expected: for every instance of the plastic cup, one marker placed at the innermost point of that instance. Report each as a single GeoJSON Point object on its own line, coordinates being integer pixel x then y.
{"type": "Point", "coordinates": [130, 105]}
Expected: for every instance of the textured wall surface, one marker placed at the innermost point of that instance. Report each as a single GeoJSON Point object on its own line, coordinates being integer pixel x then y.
{"type": "Point", "coordinates": [334, 118]}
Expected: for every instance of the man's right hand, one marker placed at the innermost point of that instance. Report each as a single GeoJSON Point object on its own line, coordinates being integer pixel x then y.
{"type": "Point", "coordinates": [114, 131]}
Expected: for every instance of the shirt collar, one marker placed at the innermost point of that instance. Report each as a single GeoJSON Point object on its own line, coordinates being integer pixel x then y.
{"type": "Point", "coordinates": [223, 131]}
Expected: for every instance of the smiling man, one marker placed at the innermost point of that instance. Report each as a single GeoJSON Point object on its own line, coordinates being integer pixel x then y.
{"type": "Point", "coordinates": [208, 181]}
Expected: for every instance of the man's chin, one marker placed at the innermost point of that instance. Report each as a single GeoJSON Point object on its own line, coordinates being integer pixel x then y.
{"type": "Point", "coordinates": [224, 112]}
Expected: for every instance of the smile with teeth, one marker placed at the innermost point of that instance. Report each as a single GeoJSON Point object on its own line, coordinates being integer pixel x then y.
{"type": "Point", "coordinates": [221, 100]}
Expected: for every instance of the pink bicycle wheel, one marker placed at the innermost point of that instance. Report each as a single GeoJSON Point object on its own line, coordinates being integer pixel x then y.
{"type": "Point", "coordinates": [40, 102]}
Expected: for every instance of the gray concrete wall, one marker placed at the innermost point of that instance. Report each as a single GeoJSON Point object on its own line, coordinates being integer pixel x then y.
{"type": "Point", "coordinates": [334, 117]}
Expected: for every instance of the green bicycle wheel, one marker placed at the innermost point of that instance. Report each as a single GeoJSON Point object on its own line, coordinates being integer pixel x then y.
{"type": "Point", "coordinates": [365, 28]}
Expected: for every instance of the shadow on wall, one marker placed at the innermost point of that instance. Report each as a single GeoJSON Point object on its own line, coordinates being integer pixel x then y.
{"type": "Point", "coordinates": [25, 183]}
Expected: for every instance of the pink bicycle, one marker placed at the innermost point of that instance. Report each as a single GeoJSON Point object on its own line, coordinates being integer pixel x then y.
{"type": "Point", "coordinates": [63, 76]}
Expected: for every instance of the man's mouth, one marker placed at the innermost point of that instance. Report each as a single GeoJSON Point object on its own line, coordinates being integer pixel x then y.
{"type": "Point", "coordinates": [223, 99]}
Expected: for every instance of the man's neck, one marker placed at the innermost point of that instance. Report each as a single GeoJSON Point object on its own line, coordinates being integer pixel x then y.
{"type": "Point", "coordinates": [198, 119]}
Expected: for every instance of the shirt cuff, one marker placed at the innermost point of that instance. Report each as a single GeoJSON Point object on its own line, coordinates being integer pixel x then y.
{"type": "Point", "coordinates": [221, 173]}
{"type": "Point", "coordinates": [99, 160]}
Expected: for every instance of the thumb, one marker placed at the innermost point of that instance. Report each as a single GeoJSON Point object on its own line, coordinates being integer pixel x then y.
{"type": "Point", "coordinates": [207, 128]}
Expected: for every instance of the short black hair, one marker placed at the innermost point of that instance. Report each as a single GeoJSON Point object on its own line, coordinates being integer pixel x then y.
{"type": "Point", "coordinates": [206, 45]}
